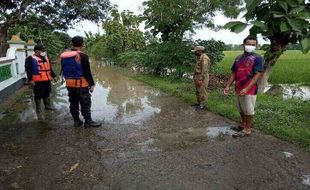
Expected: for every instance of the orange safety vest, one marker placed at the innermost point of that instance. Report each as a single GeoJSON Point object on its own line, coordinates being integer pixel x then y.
{"type": "Point", "coordinates": [42, 70]}
{"type": "Point", "coordinates": [72, 69]}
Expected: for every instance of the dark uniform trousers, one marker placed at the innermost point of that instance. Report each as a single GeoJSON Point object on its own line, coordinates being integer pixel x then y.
{"type": "Point", "coordinates": [42, 90]}
{"type": "Point", "coordinates": [77, 97]}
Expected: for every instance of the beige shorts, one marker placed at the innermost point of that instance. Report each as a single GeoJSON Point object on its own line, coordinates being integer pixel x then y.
{"type": "Point", "coordinates": [246, 104]}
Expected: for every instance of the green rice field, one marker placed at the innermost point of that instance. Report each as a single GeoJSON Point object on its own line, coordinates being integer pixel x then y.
{"type": "Point", "coordinates": [293, 67]}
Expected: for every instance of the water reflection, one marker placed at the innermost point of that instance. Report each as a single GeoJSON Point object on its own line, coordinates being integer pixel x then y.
{"type": "Point", "coordinates": [290, 91]}
{"type": "Point", "coordinates": [116, 99]}
{"type": "Point", "coordinates": [29, 114]}
{"type": "Point", "coordinates": [60, 100]}
{"type": "Point", "coordinates": [293, 91]}
{"type": "Point", "coordinates": [306, 180]}
{"type": "Point", "coordinates": [188, 137]}
{"type": "Point", "coordinates": [2, 115]}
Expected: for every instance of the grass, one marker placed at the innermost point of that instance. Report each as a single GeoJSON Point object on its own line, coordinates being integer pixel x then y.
{"type": "Point", "coordinates": [286, 119]}
{"type": "Point", "coordinates": [293, 67]}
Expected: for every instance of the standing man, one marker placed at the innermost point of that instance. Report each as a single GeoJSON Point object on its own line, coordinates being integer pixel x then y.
{"type": "Point", "coordinates": [201, 76]}
{"type": "Point", "coordinates": [79, 82]}
{"type": "Point", "coordinates": [39, 74]}
{"type": "Point", "coordinates": [246, 71]}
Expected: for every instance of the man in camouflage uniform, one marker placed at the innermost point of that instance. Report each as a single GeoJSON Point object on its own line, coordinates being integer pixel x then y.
{"type": "Point", "coordinates": [201, 76]}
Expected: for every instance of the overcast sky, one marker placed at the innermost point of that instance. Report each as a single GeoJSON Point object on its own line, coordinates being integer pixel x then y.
{"type": "Point", "coordinates": [135, 6]}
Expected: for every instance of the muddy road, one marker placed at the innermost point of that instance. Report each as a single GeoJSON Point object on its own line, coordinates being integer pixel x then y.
{"type": "Point", "coordinates": [148, 140]}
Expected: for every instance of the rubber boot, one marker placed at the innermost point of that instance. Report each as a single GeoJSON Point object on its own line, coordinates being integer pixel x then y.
{"type": "Point", "coordinates": [48, 104]}
{"type": "Point", "coordinates": [89, 122]}
{"type": "Point", "coordinates": [39, 110]}
{"type": "Point", "coordinates": [92, 124]}
{"type": "Point", "coordinates": [77, 122]}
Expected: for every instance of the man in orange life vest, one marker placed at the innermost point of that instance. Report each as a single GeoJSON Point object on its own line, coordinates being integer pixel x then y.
{"type": "Point", "coordinates": [79, 82]}
{"type": "Point", "coordinates": [40, 74]}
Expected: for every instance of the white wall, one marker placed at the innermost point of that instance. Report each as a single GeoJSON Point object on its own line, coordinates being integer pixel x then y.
{"type": "Point", "coordinates": [15, 57]}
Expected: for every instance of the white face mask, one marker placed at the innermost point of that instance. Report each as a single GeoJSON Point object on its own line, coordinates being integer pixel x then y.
{"type": "Point", "coordinates": [249, 49]}
{"type": "Point", "coordinates": [43, 54]}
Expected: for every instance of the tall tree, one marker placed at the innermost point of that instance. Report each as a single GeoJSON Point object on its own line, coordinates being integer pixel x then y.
{"type": "Point", "coordinates": [171, 19]}
{"type": "Point", "coordinates": [122, 33]}
{"type": "Point", "coordinates": [282, 22]}
{"type": "Point", "coordinates": [59, 14]}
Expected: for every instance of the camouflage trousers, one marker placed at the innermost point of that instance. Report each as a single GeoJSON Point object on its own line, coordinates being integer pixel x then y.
{"type": "Point", "coordinates": [201, 90]}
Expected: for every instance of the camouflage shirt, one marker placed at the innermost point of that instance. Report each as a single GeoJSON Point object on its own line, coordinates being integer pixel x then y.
{"type": "Point", "coordinates": [202, 67]}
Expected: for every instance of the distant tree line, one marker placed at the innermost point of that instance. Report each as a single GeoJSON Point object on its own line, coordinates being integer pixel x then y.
{"type": "Point", "coordinates": [163, 49]}
{"type": "Point", "coordinates": [124, 44]}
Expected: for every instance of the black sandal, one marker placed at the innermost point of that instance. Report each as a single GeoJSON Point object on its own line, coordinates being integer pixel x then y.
{"type": "Point", "coordinates": [237, 128]}
{"type": "Point", "coordinates": [195, 105]}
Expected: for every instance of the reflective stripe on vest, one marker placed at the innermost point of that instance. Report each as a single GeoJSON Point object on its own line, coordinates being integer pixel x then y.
{"type": "Point", "coordinates": [42, 71]}
{"type": "Point", "coordinates": [72, 69]}
{"type": "Point", "coordinates": [77, 83]}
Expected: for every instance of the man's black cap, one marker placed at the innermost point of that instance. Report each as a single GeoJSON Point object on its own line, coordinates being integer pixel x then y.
{"type": "Point", "coordinates": [39, 47]}
{"type": "Point", "coordinates": [77, 41]}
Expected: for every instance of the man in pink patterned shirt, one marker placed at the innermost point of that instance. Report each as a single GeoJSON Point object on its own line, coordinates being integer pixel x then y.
{"type": "Point", "coordinates": [246, 71]}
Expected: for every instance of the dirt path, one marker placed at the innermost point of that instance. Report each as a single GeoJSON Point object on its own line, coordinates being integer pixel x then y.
{"type": "Point", "coordinates": [148, 141]}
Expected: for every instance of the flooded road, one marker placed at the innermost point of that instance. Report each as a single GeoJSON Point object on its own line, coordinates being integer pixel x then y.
{"type": "Point", "coordinates": [148, 140]}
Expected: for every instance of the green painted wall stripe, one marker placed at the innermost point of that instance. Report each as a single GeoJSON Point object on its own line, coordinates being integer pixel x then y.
{"type": "Point", "coordinates": [5, 73]}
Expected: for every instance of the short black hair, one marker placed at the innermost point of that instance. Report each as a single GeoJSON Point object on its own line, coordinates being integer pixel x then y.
{"type": "Point", "coordinates": [39, 47]}
{"type": "Point", "coordinates": [77, 41]}
{"type": "Point", "coordinates": [250, 38]}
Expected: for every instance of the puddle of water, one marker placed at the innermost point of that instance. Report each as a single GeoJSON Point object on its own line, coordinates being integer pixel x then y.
{"type": "Point", "coordinates": [29, 114]}
{"type": "Point", "coordinates": [288, 154]}
{"type": "Point", "coordinates": [306, 180]}
{"type": "Point", "coordinates": [210, 132]}
{"type": "Point", "coordinates": [114, 108]}
{"type": "Point", "coordinates": [60, 102]}
{"type": "Point", "coordinates": [147, 143]}
{"type": "Point", "coordinates": [147, 146]}
{"type": "Point", "coordinates": [214, 132]}
{"type": "Point", "coordinates": [192, 136]}
{"type": "Point", "coordinates": [2, 115]}
{"type": "Point", "coordinates": [292, 91]}
{"type": "Point", "coordinates": [116, 99]}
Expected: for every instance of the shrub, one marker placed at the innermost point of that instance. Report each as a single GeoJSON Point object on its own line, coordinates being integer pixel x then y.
{"type": "Point", "coordinates": [214, 49]}
{"type": "Point", "coordinates": [131, 59]}
{"type": "Point", "coordinates": [173, 58]}
{"type": "Point", "coordinates": [170, 58]}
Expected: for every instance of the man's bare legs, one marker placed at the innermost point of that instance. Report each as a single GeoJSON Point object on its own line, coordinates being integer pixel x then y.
{"type": "Point", "coordinates": [243, 120]}
{"type": "Point", "coordinates": [245, 126]}
{"type": "Point", "coordinates": [248, 123]}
